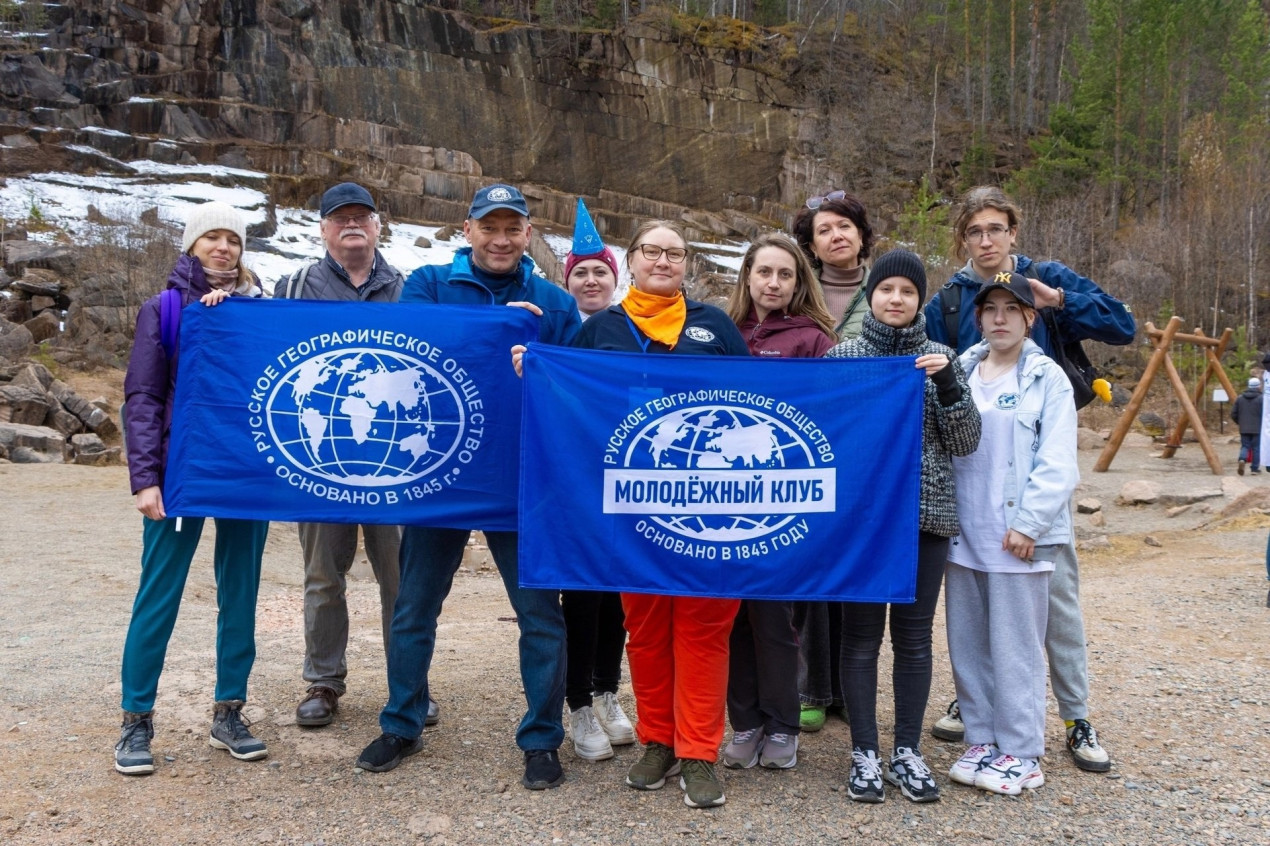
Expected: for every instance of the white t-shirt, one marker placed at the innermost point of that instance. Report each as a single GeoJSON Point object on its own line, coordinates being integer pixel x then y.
{"type": "Point", "coordinates": [981, 481]}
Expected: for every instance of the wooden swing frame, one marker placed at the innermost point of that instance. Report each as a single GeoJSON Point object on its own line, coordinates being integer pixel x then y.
{"type": "Point", "coordinates": [1214, 349]}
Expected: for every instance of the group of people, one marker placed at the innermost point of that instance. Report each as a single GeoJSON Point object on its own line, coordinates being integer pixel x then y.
{"type": "Point", "coordinates": [997, 472]}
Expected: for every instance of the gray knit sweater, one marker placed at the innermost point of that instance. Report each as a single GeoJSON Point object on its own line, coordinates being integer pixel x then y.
{"type": "Point", "coordinates": [946, 430]}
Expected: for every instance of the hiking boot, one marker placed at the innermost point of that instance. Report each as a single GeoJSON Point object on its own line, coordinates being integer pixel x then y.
{"type": "Point", "coordinates": [651, 770]}
{"type": "Point", "coordinates": [434, 713]}
{"type": "Point", "coordinates": [1009, 775]}
{"type": "Point", "coordinates": [742, 750]}
{"type": "Point", "coordinates": [132, 752]}
{"type": "Point", "coordinates": [318, 707]}
{"type": "Point", "coordinates": [1242, 465]}
{"type": "Point", "coordinates": [700, 784]}
{"type": "Point", "coordinates": [780, 751]}
{"type": "Point", "coordinates": [229, 732]}
{"type": "Point", "coordinates": [386, 751]}
{"type": "Point", "coordinates": [542, 769]}
{"type": "Point", "coordinates": [967, 768]}
{"type": "Point", "coordinates": [950, 727]}
{"type": "Point", "coordinates": [1082, 742]}
{"type": "Point", "coordinates": [611, 717]}
{"type": "Point", "coordinates": [864, 781]}
{"type": "Point", "coordinates": [811, 717]}
{"type": "Point", "coordinates": [590, 743]}
{"type": "Point", "coordinates": [908, 772]}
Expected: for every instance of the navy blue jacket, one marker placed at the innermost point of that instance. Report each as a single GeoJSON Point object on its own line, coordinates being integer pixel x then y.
{"type": "Point", "coordinates": [707, 331]}
{"type": "Point", "coordinates": [457, 284]}
{"type": "Point", "coordinates": [1090, 314]}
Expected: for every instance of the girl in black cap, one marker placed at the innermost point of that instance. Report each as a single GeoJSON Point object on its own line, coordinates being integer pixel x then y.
{"type": "Point", "coordinates": [895, 326]}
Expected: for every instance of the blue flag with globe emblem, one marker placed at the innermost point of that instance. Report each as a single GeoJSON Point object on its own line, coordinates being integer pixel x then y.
{"type": "Point", "coordinates": [721, 477]}
{"type": "Point", "coordinates": [336, 412]}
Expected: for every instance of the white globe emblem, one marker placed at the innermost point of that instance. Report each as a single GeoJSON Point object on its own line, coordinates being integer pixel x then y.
{"type": "Point", "coordinates": [499, 195]}
{"type": "Point", "coordinates": [719, 437]}
{"type": "Point", "coordinates": [697, 333]}
{"type": "Point", "coordinates": [365, 417]}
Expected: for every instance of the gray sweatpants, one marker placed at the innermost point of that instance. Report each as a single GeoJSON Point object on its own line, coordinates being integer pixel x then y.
{"type": "Point", "coordinates": [1065, 638]}
{"type": "Point", "coordinates": [329, 549]}
{"type": "Point", "coordinates": [996, 636]}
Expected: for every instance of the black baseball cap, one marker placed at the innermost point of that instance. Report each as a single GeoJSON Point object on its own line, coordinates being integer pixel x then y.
{"type": "Point", "coordinates": [1016, 283]}
{"type": "Point", "coordinates": [346, 194]}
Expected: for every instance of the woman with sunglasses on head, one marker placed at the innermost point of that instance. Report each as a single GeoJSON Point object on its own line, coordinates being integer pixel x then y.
{"type": "Point", "coordinates": [1013, 505]}
{"type": "Point", "coordinates": [835, 234]}
{"type": "Point", "coordinates": [778, 307]}
{"type": "Point", "coordinates": [985, 234]}
{"type": "Point", "coordinates": [678, 646]}
{"type": "Point", "coordinates": [895, 326]}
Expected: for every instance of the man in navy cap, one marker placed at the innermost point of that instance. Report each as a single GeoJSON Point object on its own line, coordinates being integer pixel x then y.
{"type": "Point", "coordinates": [493, 270]}
{"type": "Point", "coordinates": [353, 270]}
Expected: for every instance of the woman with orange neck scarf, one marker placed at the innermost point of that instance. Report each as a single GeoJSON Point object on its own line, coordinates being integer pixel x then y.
{"type": "Point", "coordinates": [678, 647]}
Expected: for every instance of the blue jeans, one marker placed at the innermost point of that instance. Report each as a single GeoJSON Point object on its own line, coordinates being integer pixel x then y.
{"type": "Point", "coordinates": [429, 559]}
{"type": "Point", "coordinates": [1250, 450]}
{"type": "Point", "coordinates": [165, 563]}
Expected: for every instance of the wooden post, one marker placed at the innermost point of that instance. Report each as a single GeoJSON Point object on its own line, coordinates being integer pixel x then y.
{"type": "Point", "coordinates": [1139, 393]}
{"type": "Point", "coordinates": [1179, 388]}
{"type": "Point", "coordinates": [1213, 358]}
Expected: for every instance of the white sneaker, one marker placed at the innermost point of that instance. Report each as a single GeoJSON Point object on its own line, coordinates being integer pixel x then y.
{"type": "Point", "coordinates": [589, 740]}
{"type": "Point", "coordinates": [1010, 775]}
{"type": "Point", "coordinates": [1082, 742]}
{"type": "Point", "coordinates": [971, 763]}
{"type": "Point", "coordinates": [613, 720]}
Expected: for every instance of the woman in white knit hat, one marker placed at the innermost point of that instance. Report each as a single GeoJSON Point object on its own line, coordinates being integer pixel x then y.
{"type": "Point", "coordinates": [209, 270]}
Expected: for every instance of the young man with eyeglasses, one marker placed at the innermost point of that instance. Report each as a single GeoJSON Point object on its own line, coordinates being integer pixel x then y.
{"type": "Point", "coordinates": [495, 271]}
{"type": "Point", "coordinates": [353, 270]}
{"type": "Point", "coordinates": [984, 234]}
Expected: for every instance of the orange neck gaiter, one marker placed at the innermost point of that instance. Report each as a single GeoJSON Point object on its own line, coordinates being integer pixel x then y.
{"type": "Point", "coordinates": [660, 318]}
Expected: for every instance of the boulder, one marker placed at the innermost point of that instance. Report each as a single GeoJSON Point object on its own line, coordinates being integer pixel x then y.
{"type": "Point", "coordinates": [105, 458]}
{"type": "Point", "coordinates": [39, 438]}
{"type": "Point", "coordinates": [1257, 498]}
{"type": "Point", "coordinates": [87, 443]}
{"type": "Point", "coordinates": [22, 404]}
{"type": "Point", "coordinates": [1138, 492]}
{"type": "Point", "coordinates": [15, 340]}
{"type": "Point", "coordinates": [1088, 505]}
{"type": "Point", "coordinates": [47, 324]}
{"type": "Point", "coordinates": [1089, 439]}
{"type": "Point", "coordinates": [40, 303]}
{"type": "Point", "coordinates": [27, 455]}
{"type": "Point", "coordinates": [33, 375]}
{"type": "Point", "coordinates": [38, 284]}
{"type": "Point", "coordinates": [1189, 497]}
{"type": "Point", "coordinates": [56, 257]}
{"type": "Point", "coordinates": [16, 310]}
{"type": "Point", "coordinates": [63, 421]}
{"type": "Point", "coordinates": [1153, 424]}
{"type": "Point", "coordinates": [92, 417]}
{"type": "Point", "coordinates": [1098, 519]}
{"type": "Point", "coordinates": [422, 242]}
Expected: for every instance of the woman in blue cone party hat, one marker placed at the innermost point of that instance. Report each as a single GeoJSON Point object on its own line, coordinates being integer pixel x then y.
{"type": "Point", "coordinates": [590, 268]}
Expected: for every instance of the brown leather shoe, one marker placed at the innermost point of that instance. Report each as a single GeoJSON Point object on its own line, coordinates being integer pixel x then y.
{"type": "Point", "coordinates": [318, 707]}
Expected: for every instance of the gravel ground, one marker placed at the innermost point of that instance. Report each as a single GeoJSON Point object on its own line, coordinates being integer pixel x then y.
{"type": "Point", "coordinates": [1178, 634]}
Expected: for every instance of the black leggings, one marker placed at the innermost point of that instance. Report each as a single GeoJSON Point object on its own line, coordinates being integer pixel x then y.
{"type": "Point", "coordinates": [863, 624]}
{"type": "Point", "coordinates": [595, 638]}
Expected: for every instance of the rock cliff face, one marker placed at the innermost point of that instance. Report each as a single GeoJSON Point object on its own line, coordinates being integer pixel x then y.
{"type": "Point", "coordinates": [418, 103]}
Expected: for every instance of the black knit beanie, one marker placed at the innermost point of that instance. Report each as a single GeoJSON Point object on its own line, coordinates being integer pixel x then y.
{"type": "Point", "coordinates": [897, 263]}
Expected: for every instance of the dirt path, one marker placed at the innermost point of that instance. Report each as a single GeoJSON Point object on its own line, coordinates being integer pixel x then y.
{"type": "Point", "coordinates": [1178, 636]}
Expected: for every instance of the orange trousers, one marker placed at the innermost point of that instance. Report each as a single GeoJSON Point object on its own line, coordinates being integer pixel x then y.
{"type": "Point", "coordinates": [678, 653]}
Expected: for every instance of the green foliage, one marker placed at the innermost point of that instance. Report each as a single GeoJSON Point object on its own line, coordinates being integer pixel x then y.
{"type": "Point", "coordinates": [978, 165]}
{"type": "Point", "coordinates": [925, 225]}
{"type": "Point", "coordinates": [1242, 359]}
{"type": "Point", "coordinates": [607, 12]}
{"type": "Point", "coordinates": [1065, 159]}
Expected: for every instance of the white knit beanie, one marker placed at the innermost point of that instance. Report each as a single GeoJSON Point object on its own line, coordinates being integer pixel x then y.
{"type": "Point", "coordinates": [211, 216]}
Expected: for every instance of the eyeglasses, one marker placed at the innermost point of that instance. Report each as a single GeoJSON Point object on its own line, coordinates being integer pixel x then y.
{"type": "Point", "coordinates": [652, 252]}
{"type": "Point", "coordinates": [342, 220]}
{"type": "Point", "coordinates": [816, 202]}
{"type": "Point", "coordinates": [996, 233]}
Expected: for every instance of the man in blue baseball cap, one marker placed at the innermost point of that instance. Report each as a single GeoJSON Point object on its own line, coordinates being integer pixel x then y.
{"type": "Point", "coordinates": [493, 270]}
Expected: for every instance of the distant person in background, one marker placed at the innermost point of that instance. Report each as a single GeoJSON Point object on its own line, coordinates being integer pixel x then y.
{"type": "Point", "coordinates": [1014, 508]}
{"type": "Point", "coordinates": [835, 234]}
{"type": "Point", "coordinates": [353, 270]}
{"type": "Point", "coordinates": [984, 235]}
{"type": "Point", "coordinates": [593, 620]}
{"type": "Point", "coordinates": [590, 268]}
{"type": "Point", "coordinates": [778, 307]}
{"type": "Point", "coordinates": [493, 271]}
{"type": "Point", "coordinates": [895, 326]}
{"type": "Point", "coordinates": [209, 270]}
{"type": "Point", "coordinates": [1247, 415]}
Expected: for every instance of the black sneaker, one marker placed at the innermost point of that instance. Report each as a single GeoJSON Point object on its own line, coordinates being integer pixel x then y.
{"type": "Point", "coordinates": [229, 732]}
{"type": "Point", "coordinates": [386, 751]}
{"type": "Point", "coordinates": [132, 752]}
{"type": "Point", "coordinates": [864, 782]}
{"type": "Point", "coordinates": [542, 769]}
{"type": "Point", "coordinates": [908, 772]}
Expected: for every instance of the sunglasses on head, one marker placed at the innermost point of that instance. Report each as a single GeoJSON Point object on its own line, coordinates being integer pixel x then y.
{"type": "Point", "coordinates": [816, 202]}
